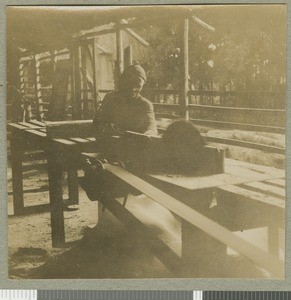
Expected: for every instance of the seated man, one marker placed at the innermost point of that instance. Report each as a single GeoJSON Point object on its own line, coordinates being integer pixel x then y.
{"type": "Point", "coordinates": [125, 109]}
{"type": "Point", "coordinates": [122, 110]}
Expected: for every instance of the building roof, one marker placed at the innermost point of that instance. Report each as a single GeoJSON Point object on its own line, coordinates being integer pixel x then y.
{"type": "Point", "coordinates": [51, 27]}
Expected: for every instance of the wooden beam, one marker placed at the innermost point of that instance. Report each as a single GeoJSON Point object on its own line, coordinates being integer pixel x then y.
{"type": "Point", "coordinates": [137, 37]}
{"type": "Point", "coordinates": [128, 56]}
{"type": "Point", "coordinates": [95, 56]}
{"type": "Point", "coordinates": [85, 34]}
{"type": "Point", "coordinates": [39, 106]}
{"type": "Point", "coordinates": [119, 52]}
{"type": "Point", "coordinates": [76, 105]}
{"type": "Point", "coordinates": [185, 69]}
{"type": "Point", "coordinates": [27, 58]}
{"type": "Point", "coordinates": [203, 24]}
{"type": "Point", "coordinates": [73, 75]}
{"type": "Point", "coordinates": [65, 129]}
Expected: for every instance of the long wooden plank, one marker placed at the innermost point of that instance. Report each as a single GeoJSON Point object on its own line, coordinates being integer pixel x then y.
{"type": "Point", "coordinates": [198, 220]}
{"type": "Point", "coordinates": [29, 126]}
{"type": "Point", "coordinates": [200, 182]}
{"type": "Point", "coordinates": [247, 194]}
{"type": "Point", "coordinates": [266, 189]}
{"type": "Point", "coordinates": [91, 139]}
{"type": "Point", "coordinates": [137, 37]}
{"type": "Point", "coordinates": [259, 169]}
{"type": "Point", "coordinates": [79, 140]}
{"type": "Point", "coordinates": [277, 182]}
{"type": "Point", "coordinates": [234, 174]}
{"type": "Point", "coordinates": [246, 144]}
{"type": "Point", "coordinates": [64, 129]}
{"type": "Point", "coordinates": [36, 122]}
{"type": "Point", "coordinates": [251, 175]}
{"type": "Point", "coordinates": [64, 141]}
{"type": "Point", "coordinates": [36, 132]}
{"type": "Point", "coordinates": [203, 24]}
{"type": "Point", "coordinates": [17, 126]}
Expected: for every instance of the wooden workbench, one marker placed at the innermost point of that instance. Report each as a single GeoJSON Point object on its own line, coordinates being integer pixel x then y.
{"type": "Point", "coordinates": [245, 196]}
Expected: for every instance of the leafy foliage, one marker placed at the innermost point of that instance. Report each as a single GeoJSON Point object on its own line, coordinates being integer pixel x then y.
{"type": "Point", "coordinates": [247, 51]}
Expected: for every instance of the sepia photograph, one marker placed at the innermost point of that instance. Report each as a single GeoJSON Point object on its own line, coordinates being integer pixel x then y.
{"type": "Point", "coordinates": [146, 142]}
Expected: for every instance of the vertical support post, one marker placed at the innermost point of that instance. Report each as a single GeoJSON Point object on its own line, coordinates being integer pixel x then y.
{"type": "Point", "coordinates": [39, 106]}
{"type": "Point", "coordinates": [72, 76]}
{"type": "Point", "coordinates": [16, 166]}
{"type": "Point", "coordinates": [128, 56]}
{"type": "Point", "coordinates": [55, 171]}
{"type": "Point", "coordinates": [84, 85]}
{"type": "Point", "coordinates": [76, 105]}
{"type": "Point", "coordinates": [95, 74]}
{"type": "Point", "coordinates": [22, 84]}
{"type": "Point", "coordinates": [119, 51]}
{"type": "Point", "coordinates": [185, 69]}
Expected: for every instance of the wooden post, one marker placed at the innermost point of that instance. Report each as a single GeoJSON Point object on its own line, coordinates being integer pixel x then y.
{"type": "Point", "coordinates": [73, 84]}
{"type": "Point", "coordinates": [128, 56]}
{"type": "Point", "coordinates": [16, 166]}
{"type": "Point", "coordinates": [22, 84]}
{"type": "Point", "coordinates": [84, 85]}
{"type": "Point", "coordinates": [185, 69]}
{"type": "Point", "coordinates": [39, 107]}
{"type": "Point", "coordinates": [27, 105]}
{"type": "Point", "coordinates": [55, 171]}
{"type": "Point", "coordinates": [95, 74]}
{"type": "Point", "coordinates": [119, 51]}
{"type": "Point", "coordinates": [76, 105]}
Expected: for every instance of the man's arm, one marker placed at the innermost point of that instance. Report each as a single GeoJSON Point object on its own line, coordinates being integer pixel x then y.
{"type": "Point", "coordinates": [103, 117]}
{"type": "Point", "coordinates": [150, 125]}
{"type": "Point", "coordinates": [103, 112]}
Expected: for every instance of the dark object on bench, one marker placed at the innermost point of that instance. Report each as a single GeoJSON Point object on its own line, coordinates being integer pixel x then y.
{"type": "Point", "coordinates": [181, 150]}
{"type": "Point", "coordinates": [100, 185]}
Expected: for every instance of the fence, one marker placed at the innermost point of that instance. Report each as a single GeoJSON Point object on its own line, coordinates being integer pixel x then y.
{"type": "Point", "coordinates": [211, 108]}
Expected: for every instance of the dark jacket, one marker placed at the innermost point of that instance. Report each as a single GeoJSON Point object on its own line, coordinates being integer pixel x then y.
{"type": "Point", "coordinates": [128, 114]}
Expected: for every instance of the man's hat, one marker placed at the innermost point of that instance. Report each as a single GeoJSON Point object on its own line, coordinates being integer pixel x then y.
{"type": "Point", "coordinates": [134, 71]}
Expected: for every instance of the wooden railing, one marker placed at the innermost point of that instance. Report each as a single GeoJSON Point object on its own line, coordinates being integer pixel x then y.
{"type": "Point", "coordinates": [166, 104]}
{"type": "Point", "coordinates": [217, 112]}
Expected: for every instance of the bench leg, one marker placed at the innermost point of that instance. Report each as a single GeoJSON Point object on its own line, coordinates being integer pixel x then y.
{"type": "Point", "coordinates": [55, 171]}
{"type": "Point", "coordinates": [17, 181]}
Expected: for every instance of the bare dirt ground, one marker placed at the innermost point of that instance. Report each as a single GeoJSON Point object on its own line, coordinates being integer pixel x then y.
{"type": "Point", "coordinates": [108, 250]}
